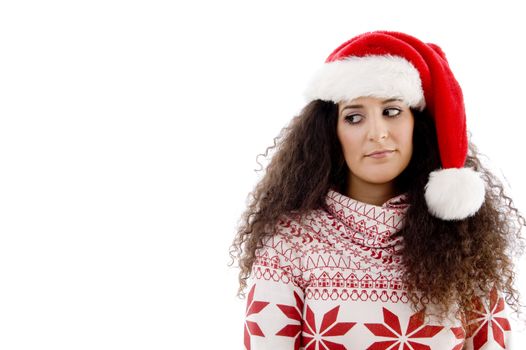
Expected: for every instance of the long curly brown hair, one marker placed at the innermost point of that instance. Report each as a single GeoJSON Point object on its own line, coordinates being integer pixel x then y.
{"type": "Point", "coordinates": [447, 262]}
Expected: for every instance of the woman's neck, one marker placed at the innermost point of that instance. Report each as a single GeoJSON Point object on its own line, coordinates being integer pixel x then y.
{"type": "Point", "coordinates": [371, 193]}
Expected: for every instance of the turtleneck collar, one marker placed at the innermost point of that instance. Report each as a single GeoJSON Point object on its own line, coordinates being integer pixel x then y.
{"type": "Point", "coordinates": [367, 224]}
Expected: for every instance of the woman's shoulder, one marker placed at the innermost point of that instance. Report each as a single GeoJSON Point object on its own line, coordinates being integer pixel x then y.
{"type": "Point", "coordinates": [286, 247]}
{"type": "Point", "coordinates": [296, 229]}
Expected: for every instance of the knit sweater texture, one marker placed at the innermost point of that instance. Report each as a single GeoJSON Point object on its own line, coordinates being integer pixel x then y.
{"type": "Point", "coordinates": [331, 280]}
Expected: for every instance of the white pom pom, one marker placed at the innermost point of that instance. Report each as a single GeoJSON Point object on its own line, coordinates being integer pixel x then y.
{"type": "Point", "coordinates": [454, 194]}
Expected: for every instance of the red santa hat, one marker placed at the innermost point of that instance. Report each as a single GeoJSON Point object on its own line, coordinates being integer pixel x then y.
{"type": "Point", "coordinates": [387, 64]}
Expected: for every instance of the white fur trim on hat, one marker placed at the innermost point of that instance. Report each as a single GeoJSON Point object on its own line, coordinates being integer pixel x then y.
{"type": "Point", "coordinates": [454, 193]}
{"type": "Point", "coordinates": [384, 76]}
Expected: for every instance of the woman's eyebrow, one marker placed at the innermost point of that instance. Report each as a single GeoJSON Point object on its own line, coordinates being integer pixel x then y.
{"type": "Point", "coordinates": [383, 102]}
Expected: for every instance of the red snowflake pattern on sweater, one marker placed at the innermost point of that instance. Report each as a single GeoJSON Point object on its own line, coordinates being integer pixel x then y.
{"type": "Point", "coordinates": [294, 313]}
{"type": "Point", "coordinates": [481, 319]}
{"type": "Point", "coordinates": [253, 307]}
{"type": "Point", "coordinates": [392, 329]}
{"type": "Point", "coordinates": [459, 334]}
{"type": "Point", "coordinates": [314, 338]}
{"type": "Point", "coordinates": [333, 279]}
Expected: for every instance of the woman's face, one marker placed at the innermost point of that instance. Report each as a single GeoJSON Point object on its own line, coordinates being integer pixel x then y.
{"type": "Point", "coordinates": [369, 124]}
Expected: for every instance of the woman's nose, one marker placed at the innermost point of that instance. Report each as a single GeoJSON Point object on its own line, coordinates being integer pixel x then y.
{"type": "Point", "coordinates": [378, 129]}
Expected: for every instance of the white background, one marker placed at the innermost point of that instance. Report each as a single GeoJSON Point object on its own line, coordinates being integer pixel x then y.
{"type": "Point", "coordinates": [129, 132]}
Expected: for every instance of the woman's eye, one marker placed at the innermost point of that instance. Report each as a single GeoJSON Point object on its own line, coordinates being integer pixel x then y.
{"type": "Point", "coordinates": [393, 114]}
{"type": "Point", "coordinates": [352, 119]}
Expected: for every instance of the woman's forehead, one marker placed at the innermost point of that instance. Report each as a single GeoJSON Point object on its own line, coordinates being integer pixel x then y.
{"type": "Point", "coordinates": [370, 99]}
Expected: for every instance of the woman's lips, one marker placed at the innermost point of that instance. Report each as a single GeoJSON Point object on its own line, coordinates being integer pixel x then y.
{"type": "Point", "coordinates": [381, 155]}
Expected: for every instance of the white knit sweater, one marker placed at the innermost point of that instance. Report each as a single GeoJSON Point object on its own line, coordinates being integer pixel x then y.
{"type": "Point", "coordinates": [332, 281]}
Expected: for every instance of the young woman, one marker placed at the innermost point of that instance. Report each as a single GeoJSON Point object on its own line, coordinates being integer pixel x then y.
{"type": "Point", "coordinates": [376, 226]}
